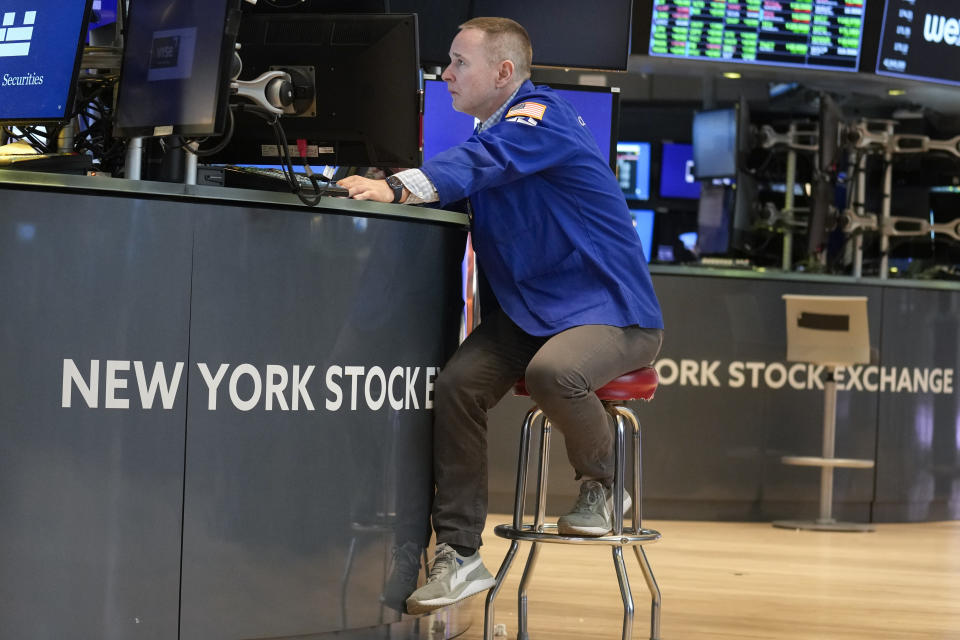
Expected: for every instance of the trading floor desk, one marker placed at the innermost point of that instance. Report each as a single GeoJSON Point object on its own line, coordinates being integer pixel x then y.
{"type": "Point", "coordinates": [215, 407]}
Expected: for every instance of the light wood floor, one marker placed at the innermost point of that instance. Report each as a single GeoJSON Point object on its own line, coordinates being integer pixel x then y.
{"type": "Point", "coordinates": [737, 580]}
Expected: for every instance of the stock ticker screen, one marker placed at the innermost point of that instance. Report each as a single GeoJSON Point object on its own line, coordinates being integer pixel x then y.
{"type": "Point", "coordinates": [822, 34]}
{"type": "Point", "coordinates": [921, 39]}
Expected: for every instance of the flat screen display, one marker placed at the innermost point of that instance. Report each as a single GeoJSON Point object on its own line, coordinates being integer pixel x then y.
{"type": "Point", "coordinates": [920, 40]}
{"type": "Point", "coordinates": [676, 172]}
{"type": "Point", "coordinates": [819, 34]}
{"type": "Point", "coordinates": [570, 33]}
{"type": "Point", "coordinates": [643, 223]}
{"type": "Point", "coordinates": [633, 169]}
{"type": "Point", "coordinates": [174, 68]}
{"type": "Point", "coordinates": [40, 46]}
{"type": "Point", "coordinates": [715, 143]}
{"type": "Point", "coordinates": [443, 127]}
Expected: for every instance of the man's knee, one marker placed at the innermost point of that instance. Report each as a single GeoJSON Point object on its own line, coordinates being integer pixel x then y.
{"type": "Point", "coordinates": [546, 380]}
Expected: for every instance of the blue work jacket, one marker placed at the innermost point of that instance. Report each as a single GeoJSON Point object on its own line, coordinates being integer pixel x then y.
{"type": "Point", "coordinates": [551, 229]}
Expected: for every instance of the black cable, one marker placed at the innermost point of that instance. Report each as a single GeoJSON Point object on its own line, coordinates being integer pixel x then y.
{"type": "Point", "coordinates": [220, 146]}
{"type": "Point", "coordinates": [288, 167]}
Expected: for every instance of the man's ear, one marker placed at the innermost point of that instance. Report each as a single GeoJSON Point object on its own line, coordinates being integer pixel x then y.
{"type": "Point", "coordinates": [505, 73]}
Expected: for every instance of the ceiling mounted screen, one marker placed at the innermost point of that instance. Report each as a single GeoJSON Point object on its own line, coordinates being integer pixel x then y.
{"type": "Point", "coordinates": [818, 34]}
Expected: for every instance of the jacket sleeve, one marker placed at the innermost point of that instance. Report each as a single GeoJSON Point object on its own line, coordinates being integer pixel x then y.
{"type": "Point", "coordinates": [505, 152]}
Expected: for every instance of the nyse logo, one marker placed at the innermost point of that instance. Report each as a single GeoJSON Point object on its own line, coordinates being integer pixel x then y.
{"type": "Point", "coordinates": [15, 40]}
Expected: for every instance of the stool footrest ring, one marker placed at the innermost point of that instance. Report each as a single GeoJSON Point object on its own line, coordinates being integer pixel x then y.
{"type": "Point", "coordinates": [549, 534]}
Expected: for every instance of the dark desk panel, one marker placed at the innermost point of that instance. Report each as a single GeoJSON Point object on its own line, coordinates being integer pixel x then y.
{"type": "Point", "coordinates": [261, 516]}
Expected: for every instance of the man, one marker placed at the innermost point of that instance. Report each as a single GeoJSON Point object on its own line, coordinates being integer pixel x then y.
{"type": "Point", "coordinates": [573, 306]}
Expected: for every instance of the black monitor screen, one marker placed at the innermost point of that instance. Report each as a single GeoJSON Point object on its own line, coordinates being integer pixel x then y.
{"type": "Point", "coordinates": [438, 21]}
{"type": "Point", "coordinates": [443, 127]}
{"type": "Point", "coordinates": [715, 143]}
{"type": "Point", "coordinates": [824, 34]}
{"type": "Point", "coordinates": [365, 77]}
{"type": "Point", "coordinates": [174, 76]}
{"type": "Point", "coordinates": [40, 45]}
{"type": "Point", "coordinates": [571, 33]}
{"type": "Point", "coordinates": [920, 40]}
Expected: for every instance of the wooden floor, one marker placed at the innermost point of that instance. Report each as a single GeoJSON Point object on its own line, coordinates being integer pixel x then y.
{"type": "Point", "coordinates": [735, 580]}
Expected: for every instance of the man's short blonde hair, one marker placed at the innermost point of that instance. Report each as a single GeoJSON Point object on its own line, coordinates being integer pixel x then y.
{"type": "Point", "coordinates": [507, 40]}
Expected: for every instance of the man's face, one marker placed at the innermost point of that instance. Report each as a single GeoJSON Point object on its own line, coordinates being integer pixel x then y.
{"type": "Point", "coordinates": [471, 78]}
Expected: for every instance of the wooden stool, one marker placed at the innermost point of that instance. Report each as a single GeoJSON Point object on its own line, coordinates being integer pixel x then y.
{"type": "Point", "coordinates": [636, 385]}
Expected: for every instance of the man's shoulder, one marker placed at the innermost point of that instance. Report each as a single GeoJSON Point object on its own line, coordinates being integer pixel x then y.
{"type": "Point", "coordinates": [534, 101]}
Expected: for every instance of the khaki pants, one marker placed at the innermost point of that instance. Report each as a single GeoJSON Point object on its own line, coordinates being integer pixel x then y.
{"type": "Point", "coordinates": [561, 371]}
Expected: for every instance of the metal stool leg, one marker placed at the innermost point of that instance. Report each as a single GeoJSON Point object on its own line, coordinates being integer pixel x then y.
{"type": "Point", "coordinates": [624, 591]}
{"type": "Point", "coordinates": [518, 508]}
{"type": "Point", "coordinates": [654, 592]}
{"type": "Point", "coordinates": [492, 594]}
{"type": "Point", "coordinates": [522, 633]}
{"type": "Point", "coordinates": [637, 467]}
{"type": "Point", "coordinates": [618, 468]}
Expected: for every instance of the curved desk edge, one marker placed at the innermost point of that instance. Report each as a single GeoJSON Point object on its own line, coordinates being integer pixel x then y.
{"type": "Point", "coordinates": [224, 195]}
{"type": "Point", "coordinates": [776, 274]}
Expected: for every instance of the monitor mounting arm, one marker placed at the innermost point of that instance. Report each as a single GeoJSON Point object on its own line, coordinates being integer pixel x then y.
{"type": "Point", "coordinates": [272, 91]}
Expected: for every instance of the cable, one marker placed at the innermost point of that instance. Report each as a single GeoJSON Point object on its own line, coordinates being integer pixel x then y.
{"type": "Point", "coordinates": [220, 146]}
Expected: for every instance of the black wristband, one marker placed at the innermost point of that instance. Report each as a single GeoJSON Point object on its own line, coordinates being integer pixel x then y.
{"type": "Point", "coordinates": [394, 183]}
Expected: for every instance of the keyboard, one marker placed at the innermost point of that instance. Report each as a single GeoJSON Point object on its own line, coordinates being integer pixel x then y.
{"type": "Point", "coordinates": [264, 180]}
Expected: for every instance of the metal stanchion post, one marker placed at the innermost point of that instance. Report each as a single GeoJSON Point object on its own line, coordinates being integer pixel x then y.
{"type": "Point", "coordinates": [860, 209]}
{"type": "Point", "coordinates": [885, 211]}
{"type": "Point", "coordinates": [788, 202]}
{"type": "Point", "coordinates": [132, 163]}
{"type": "Point", "coordinates": [190, 166]}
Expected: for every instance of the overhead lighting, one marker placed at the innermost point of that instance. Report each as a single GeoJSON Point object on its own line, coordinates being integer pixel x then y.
{"type": "Point", "coordinates": [732, 75]}
{"type": "Point", "coordinates": [896, 92]}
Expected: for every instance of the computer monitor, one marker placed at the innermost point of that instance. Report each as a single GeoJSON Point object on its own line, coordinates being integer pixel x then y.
{"type": "Point", "coordinates": [366, 88]}
{"type": "Point", "coordinates": [633, 169]}
{"type": "Point", "coordinates": [721, 141]}
{"type": "Point", "coordinates": [438, 21]}
{"type": "Point", "coordinates": [571, 33]}
{"type": "Point", "coordinates": [175, 74]}
{"type": "Point", "coordinates": [676, 172]}
{"type": "Point", "coordinates": [715, 144]}
{"type": "Point", "coordinates": [444, 127]}
{"type": "Point", "coordinates": [41, 42]}
{"type": "Point", "coordinates": [726, 215]}
{"type": "Point", "coordinates": [643, 223]}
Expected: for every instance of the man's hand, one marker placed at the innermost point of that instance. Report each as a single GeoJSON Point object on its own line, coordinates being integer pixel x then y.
{"type": "Point", "coordinates": [366, 189]}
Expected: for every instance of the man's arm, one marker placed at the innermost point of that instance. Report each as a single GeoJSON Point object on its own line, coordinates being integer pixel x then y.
{"type": "Point", "coordinates": [417, 188]}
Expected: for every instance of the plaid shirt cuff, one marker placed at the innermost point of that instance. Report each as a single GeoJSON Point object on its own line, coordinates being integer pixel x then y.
{"type": "Point", "coordinates": [418, 184]}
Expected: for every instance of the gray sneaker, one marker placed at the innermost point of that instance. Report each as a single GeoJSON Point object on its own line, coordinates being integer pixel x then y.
{"type": "Point", "coordinates": [592, 515]}
{"type": "Point", "coordinates": [452, 578]}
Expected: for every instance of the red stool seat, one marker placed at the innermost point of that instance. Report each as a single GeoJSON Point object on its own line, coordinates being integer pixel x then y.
{"type": "Point", "coordinates": [636, 385]}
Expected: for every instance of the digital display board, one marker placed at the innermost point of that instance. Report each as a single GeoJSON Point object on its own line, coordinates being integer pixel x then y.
{"type": "Point", "coordinates": [921, 39]}
{"type": "Point", "coordinates": [40, 46]}
{"type": "Point", "coordinates": [821, 34]}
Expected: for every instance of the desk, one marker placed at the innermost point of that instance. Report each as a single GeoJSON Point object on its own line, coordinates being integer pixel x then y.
{"type": "Point", "coordinates": [208, 396]}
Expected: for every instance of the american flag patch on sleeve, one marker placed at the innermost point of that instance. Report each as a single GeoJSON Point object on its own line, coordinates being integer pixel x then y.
{"type": "Point", "coordinates": [529, 109]}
